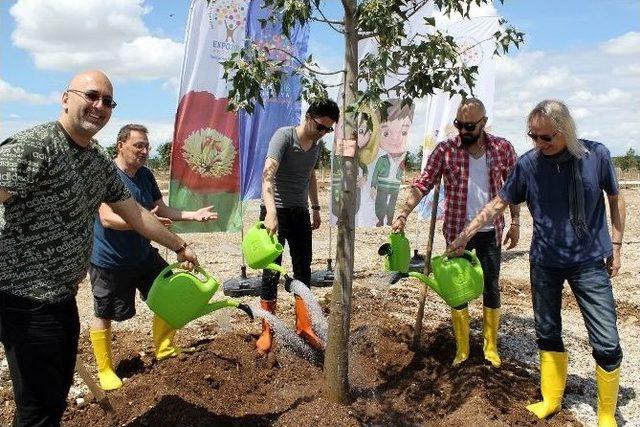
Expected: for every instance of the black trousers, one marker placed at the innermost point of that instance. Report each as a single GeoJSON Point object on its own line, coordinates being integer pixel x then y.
{"type": "Point", "coordinates": [489, 253]}
{"type": "Point", "coordinates": [294, 228]}
{"type": "Point", "coordinates": [40, 343]}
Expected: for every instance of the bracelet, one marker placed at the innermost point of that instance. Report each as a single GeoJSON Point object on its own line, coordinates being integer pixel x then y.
{"type": "Point", "coordinates": [315, 207]}
{"type": "Point", "coordinates": [182, 247]}
{"type": "Point", "coordinates": [617, 243]}
{"type": "Point", "coordinates": [515, 225]}
{"type": "Point", "coordinates": [403, 217]}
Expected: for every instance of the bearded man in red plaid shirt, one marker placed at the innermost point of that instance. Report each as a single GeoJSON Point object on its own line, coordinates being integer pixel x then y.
{"type": "Point", "coordinates": [474, 165]}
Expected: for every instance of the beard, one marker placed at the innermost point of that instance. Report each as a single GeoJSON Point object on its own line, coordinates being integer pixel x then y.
{"type": "Point", "coordinates": [469, 139]}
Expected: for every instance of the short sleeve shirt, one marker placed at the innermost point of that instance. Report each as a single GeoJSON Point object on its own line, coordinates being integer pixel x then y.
{"type": "Point", "coordinates": [544, 186]}
{"type": "Point", "coordinates": [46, 227]}
{"type": "Point", "coordinates": [124, 249]}
{"type": "Point", "coordinates": [295, 165]}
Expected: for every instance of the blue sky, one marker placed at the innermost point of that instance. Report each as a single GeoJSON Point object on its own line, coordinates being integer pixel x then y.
{"type": "Point", "coordinates": [586, 53]}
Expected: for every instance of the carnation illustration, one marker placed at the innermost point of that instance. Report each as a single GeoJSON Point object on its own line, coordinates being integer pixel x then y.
{"type": "Point", "coordinates": [209, 153]}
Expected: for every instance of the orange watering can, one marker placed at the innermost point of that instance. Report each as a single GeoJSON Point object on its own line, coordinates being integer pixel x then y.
{"type": "Point", "coordinates": [179, 296]}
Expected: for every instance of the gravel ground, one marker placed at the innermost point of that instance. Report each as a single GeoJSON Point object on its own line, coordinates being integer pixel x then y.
{"type": "Point", "coordinates": [220, 254]}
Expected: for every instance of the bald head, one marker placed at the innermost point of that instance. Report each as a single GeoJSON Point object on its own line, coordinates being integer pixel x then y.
{"type": "Point", "coordinates": [86, 77]}
{"type": "Point", "coordinates": [472, 105]}
{"type": "Point", "coordinates": [87, 104]}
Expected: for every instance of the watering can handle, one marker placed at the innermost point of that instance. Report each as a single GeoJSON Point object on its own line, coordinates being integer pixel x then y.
{"type": "Point", "coordinates": [177, 265]}
{"type": "Point", "coordinates": [466, 255]}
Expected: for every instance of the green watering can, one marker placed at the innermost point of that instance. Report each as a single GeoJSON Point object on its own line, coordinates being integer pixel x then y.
{"type": "Point", "coordinates": [179, 296]}
{"type": "Point", "coordinates": [457, 280]}
{"type": "Point", "coordinates": [260, 249]}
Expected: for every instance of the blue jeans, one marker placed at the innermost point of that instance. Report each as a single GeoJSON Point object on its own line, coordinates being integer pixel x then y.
{"type": "Point", "coordinates": [592, 288]}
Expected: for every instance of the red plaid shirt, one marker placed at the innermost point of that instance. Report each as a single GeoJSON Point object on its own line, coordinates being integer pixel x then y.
{"type": "Point", "coordinates": [451, 159]}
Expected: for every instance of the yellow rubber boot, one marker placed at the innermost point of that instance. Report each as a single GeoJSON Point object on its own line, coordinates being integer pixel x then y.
{"type": "Point", "coordinates": [101, 343]}
{"type": "Point", "coordinates": [163, 335]}
{"type": "Point", "coordinates": [553, 379]}
{"type": "Point", "coordinates": [490, 326]}
{"type": "Point", "coordinates": [460, 320]}
{"type": "Point", "coordinates": [608, 384]}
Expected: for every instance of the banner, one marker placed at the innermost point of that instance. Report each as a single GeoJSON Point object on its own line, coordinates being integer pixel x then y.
{"type": "Point", "coordinates": [474, 36]}
{"type": "Point", "coordinates": [256, 129]}
{"type": "Point", "coordinates": [205, 163]}
{"type": "Point", "coordinates": [381, 164]}
{"type": "Point", "coordinates": [382, 149]}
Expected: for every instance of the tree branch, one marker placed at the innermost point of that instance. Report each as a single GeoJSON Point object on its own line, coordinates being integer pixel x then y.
{"type": "Point", "coordinates": [363, 36]}
{"type": "Point", "coordinates": [303, 65]}
{"type": "Point", "coordinates": [331, 23]}
{"type": "Point", "coordinates": [416, 9]}
{"type": "Point", "coordinates": [327, 21]}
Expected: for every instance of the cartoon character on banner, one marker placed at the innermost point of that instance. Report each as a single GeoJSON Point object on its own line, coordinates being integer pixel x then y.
{"type": "Point", "coordinates": [367, 140]}
{"type": "Point", "coordinates": [389, 168]}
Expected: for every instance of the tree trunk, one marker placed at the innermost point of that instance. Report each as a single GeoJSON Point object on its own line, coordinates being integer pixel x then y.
{"type": "Point", "coordinates": [336, 365]}
{"type": "Point", "coordinates": [417, 329]}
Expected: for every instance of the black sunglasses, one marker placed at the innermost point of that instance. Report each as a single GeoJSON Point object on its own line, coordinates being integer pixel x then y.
{"type": "Point", "coordinates": [94, 96]}
{"type": "Point", "coordinates": [468, 126]}
{"type": "Point", "coordinates": [320, 127]}
{"type": "Point", "coordinates": [545, 138]}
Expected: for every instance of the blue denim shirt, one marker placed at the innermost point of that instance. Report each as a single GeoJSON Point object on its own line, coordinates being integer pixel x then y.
{"type": "Point", "coordinates": [544, 186]}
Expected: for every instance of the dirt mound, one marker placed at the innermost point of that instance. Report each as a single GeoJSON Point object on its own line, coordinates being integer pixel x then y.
{"type": "Point", "coordinates": [223, 382]}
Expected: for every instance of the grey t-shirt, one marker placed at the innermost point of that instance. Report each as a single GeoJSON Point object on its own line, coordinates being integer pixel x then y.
{"type": "Point", "coordinates": [295, 165]}
{"type": "Point", "coordinates": [46, 227]}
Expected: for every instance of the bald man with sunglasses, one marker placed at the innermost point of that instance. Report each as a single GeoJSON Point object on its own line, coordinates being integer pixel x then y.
{"type": "Point", "coordinates": [474, 165]}
{"type": "Point", "coordinates": [53, 178]}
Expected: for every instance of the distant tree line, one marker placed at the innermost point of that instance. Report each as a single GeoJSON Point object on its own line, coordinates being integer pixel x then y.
{"type": "Point", "coordinates": [630, 161]}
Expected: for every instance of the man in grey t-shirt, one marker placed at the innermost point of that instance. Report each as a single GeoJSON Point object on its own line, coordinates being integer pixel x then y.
{"type": "Point", "coordinates": [288, 182]}
{"type": "Point", "coordinates": [53, 177]}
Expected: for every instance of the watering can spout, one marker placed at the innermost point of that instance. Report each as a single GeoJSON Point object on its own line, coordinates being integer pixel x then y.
{"type": "Point", "coordinates": [276, 267]}
{"type": "Point", "coordinates": [226, 303]}
{"type": "Point", "coordinates": [246, 309]}
{"type": "Point", "coordinates": [426, 280]}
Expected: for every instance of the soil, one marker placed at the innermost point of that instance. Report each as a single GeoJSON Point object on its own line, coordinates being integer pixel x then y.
{"type": "Point", "coordinates": [222, 381]}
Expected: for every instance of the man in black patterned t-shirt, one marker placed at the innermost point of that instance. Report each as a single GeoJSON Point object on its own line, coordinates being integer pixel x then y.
{"type": "Point", "coordinates": [53, 177]}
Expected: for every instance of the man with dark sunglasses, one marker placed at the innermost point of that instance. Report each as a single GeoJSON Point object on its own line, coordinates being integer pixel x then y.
{"type": "Point", "coordinates": [53, 178]}
{"type": "Point", "coordinates": [288, 184]}
{"type": "Point", "coordinates": [564, 180]}
{"type": "Point", "coordinates": [474, 165]}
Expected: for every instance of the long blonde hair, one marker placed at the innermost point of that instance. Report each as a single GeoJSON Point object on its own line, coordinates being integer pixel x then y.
{"type": "Point", "coordinates": [558, 113]}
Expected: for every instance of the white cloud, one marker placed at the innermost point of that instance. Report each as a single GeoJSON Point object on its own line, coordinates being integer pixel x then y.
{"type": "Point", "coordinates": [553, 78]}
{"type": "Point", "coordinates": [172, 85]}
{"type": "Point", "coordinates": [9, 93]}
{"type": "Point", "coordinates": [612, 96]}
{"type": "Point", "coordinates": [627, 44]}
{"type": "Point", "coordinates": [632, 70]}
{"type": "Point", "coordinates": [601, 92]}
{"type": "Point", "coordinates": [70, 35]}
{"type": "Point", "coordinates": [581, 113]}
